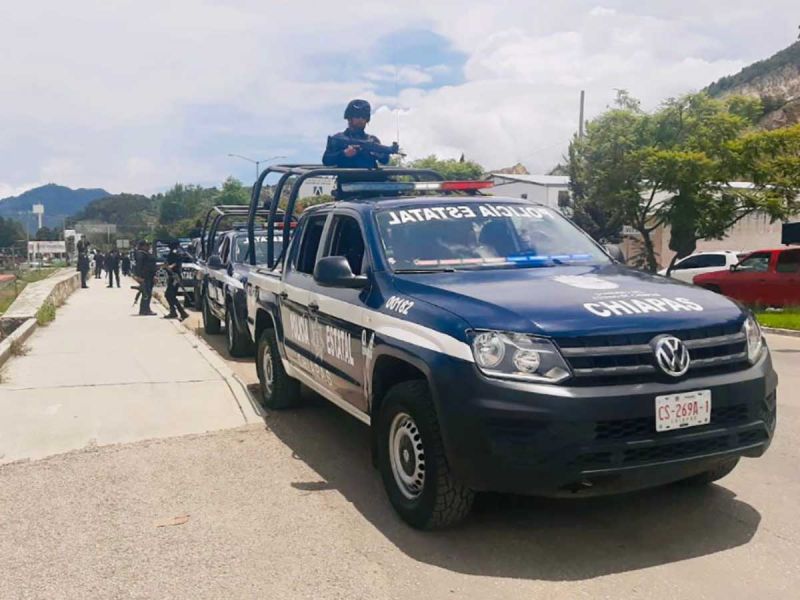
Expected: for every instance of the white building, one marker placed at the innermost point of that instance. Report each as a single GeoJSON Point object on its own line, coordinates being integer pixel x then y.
{"type": "Point", "coordinates": [543, 189]}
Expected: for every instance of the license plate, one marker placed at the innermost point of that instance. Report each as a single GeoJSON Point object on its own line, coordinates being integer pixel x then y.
{"type": "Point", "coordinates": [678, 411]}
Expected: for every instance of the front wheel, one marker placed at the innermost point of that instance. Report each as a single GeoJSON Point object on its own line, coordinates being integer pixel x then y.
{"type": "Point", "coordinates": [278, 390]}
{"type": "Point", "coordinates": [211, 324]}
{"type": "Point", "coordinates": [238, 344]}
{"type": "Point", "coordinates": [412, 460]}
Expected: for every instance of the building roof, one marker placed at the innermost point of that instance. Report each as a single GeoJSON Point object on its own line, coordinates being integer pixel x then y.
{"type": "Point", "coordinates": [547, 180]}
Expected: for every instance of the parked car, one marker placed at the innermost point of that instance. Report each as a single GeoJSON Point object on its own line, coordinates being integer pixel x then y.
{"type": "Point", "coordinates": [702, 262]}
{"type": "Point", "coordinates": [493, 346]}
{"type": "Point", "coordinates": [764, 277]}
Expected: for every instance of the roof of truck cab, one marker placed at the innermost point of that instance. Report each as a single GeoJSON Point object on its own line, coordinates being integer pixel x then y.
{"type": "Point", "coordinates": [365, 204]}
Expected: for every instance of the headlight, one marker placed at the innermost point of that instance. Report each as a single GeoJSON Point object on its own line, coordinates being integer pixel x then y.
{"type": "Point", "coordinates": [755, 342]}
{"type": "Point", "coordinates": [518, 356]}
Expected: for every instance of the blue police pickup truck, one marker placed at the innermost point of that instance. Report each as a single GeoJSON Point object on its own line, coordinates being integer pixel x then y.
{"type": "Point", "coordinates": [491, 345]}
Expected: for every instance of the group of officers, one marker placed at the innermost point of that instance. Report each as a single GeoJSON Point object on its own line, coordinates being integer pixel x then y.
{"type": "Point", "coordinates": [145, 266]}
{"type": "Point", "coordinates": [352, 148]}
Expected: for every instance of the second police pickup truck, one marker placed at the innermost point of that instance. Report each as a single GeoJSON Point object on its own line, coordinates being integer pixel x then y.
{"type": "Point", "coordinates": [491, 345]}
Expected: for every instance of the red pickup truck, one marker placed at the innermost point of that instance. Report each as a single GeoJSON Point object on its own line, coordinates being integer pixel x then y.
{"type": "Point", "coordinates": [764, 277]}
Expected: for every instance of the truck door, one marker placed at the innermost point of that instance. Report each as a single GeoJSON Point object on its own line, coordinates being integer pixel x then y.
{"type": "Point", "coordinates": [747, 282]}
{"type": "Point", "coordinates": [298, 305]}
{"type": "Point", "coordinates": [217, 283]}
{"type": "Point", "coordinates": [341, 313]}
{"type": "Point", "coordinates": [787, 279]}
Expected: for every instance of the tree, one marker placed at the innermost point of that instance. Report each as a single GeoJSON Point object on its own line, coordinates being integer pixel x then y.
{"type": "Point", "coordinates": [674, 167]}
{"type": "Point", "coordinates": [12, 233]}
{"type": "Point", "coordinates": [45, 234]}
{"type": "Point", "coordinates": [450, 168]}
{"type": "Point", "coordinates": [233, 192]}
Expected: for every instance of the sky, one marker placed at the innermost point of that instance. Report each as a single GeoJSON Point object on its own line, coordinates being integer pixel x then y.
{"type": "Point", "coordinates": [136, 95]}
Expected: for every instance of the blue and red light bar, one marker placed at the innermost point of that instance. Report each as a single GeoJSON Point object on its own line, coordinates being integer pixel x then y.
{"type": "Point", "coordinates": [413, 186]}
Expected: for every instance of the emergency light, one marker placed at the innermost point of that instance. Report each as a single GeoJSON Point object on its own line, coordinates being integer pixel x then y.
{"type": "Point", "coordinates": [384, 187]}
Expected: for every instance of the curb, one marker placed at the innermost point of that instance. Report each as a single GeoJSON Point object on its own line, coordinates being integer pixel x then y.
{"type": "Point", "coordinates": [777, 331]}
{"type": "Point", "coordinates": [21, 333]}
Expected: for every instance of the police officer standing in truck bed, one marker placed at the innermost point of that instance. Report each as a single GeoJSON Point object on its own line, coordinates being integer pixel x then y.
{"type": "Point", "coordinates": [340, 153]}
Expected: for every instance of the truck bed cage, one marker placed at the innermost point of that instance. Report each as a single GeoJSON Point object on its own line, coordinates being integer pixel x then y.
{"type": "Point", "coordinates": [216, 215]}
{"type": "Point", "coordinates": [302, 172]}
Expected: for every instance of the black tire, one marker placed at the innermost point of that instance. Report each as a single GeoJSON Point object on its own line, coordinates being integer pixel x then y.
{"type": "Point", "coordinates": [440, 500]}
{"type": "Point", "coordinates": [211, 324]}
{"type": "Point", "coordinates": [238, 345]}
{"type": "Point", "coordinates": [723, 469]}
{"type": "Point", "coordinates": [278, 390]}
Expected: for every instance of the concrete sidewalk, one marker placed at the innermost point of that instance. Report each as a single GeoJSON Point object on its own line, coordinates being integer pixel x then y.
{"type": "Point", "coordinates": [99, 375]}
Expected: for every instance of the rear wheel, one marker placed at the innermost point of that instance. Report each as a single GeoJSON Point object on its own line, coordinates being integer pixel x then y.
{"type": "Point", "coordinates": [723, 469]}
{"type": "Point", "coordinates": [412, 460]}
{"type": "Point", "coordinates": [278, 390]}
{"type": "Point", "coordinates": [211, 323]}
{"type": "Point", "coordinates": [238, 344]}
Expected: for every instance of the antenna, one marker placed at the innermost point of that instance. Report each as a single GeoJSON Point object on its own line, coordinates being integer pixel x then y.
{"type": "Point", "coordinates": [397, 100]}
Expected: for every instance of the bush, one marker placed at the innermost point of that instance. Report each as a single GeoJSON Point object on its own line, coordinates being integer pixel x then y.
{"type": "Point", "coordinates": [46, 314]}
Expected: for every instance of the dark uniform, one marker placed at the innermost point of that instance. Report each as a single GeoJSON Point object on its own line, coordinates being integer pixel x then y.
{"type": "Point", "coordinates": [112, 267]}
{"type": "Point", "coordinates": [98, 264]}
{"type": "Point", "coordinates": [126, 265]}
{"type": "Point", "coordinates": [335, 157]}
{"type": "Point", "coordinates": [357, 113]}
{"type": "Point", "coordinates": [145, 272]}
{"type": "Point", "coordinates": [174, 264]}
{"type": "Point", "coordinates": [83, 268]}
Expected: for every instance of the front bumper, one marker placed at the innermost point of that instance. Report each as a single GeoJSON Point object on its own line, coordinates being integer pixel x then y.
{"type": "Point", "coordinates": [556, 440]}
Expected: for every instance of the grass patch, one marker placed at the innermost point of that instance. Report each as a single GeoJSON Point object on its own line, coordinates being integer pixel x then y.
{"type": "Point", "coordinates": [46, 314]}
{"type": "Point", "coordinates": [10, 291]}
{"type": "Point", "coordinates": [788, 318]}
{"type": "Point", "coordinates": [19, 348]}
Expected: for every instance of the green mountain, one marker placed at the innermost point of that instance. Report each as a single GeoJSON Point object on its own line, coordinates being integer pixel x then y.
{"type": "Point", "coordinates": [59, 202]}
{"type": "Point", "coordinates": [776, 80]}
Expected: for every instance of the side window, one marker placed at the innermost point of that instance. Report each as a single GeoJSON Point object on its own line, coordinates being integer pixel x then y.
{"type": "Point", "coordinates": [715, 260]}
{"type": "Point", "coordinates": [309, 245]}
{"type": "Point", "coordinates": [788, 262]}
{"type": "Point", "coordinates": [688, 263]}
{"type": "Point", "coordinates": [225, 250]}
{"type": "Point", "coordinates": [756, 262]}
{"type": "Point", "coordinates": [347, 241]}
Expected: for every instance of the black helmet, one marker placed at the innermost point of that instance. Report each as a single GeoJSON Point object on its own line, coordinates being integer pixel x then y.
{"type": "Point", "coordinates": [358, 109]}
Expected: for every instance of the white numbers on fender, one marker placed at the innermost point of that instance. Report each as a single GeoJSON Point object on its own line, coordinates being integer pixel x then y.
{"type": "Point", "coordinates": [399, 305]}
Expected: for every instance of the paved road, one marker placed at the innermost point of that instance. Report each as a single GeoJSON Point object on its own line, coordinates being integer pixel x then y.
{"type": "Point", "coordinates": [291, 508]}
{"type": "Point", "coordinates": [100, 375]}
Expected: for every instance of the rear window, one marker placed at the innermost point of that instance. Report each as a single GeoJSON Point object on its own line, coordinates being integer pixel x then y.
{"type": "Point", "coordinates": [788, 261]}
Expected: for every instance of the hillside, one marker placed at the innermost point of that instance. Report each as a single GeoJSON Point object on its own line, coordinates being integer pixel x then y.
{"type": "Point", "coordinates": [59, 202]}
{"type": "Point", "coordinates": [132, 213]}
{"type": "Point", "coordinates": [776, 80]}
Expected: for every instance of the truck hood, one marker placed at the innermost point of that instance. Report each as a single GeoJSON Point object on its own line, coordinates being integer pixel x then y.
{"type": "Point", "coordinates": [569, 301]}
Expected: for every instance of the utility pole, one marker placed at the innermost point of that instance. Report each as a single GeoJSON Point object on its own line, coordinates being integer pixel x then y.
{"type": "Point", "coordinates": [257, 163]}
{"type": "Point", "coordinates": [580, 122]}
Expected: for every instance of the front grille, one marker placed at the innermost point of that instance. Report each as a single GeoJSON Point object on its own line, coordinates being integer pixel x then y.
{"type": "Point", "coordinates": [645, 427]}
{"type": "Point", "coordinates": [609, 359]}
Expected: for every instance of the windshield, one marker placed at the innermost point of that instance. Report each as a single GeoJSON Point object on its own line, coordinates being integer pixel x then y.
{"type": "Point", "coordinates": [434, 237]}
{"type": "Point", "coordinates": [261, 247]}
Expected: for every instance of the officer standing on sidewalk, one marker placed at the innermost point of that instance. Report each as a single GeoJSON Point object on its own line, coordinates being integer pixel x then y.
{"type": "Point", "coordinates": [112, 267]}
{"type": "Point", "coordinates": [145, 273]}
{"type": "Point", "coordinates": [83, 262]}
{"type": "Point", "coordinates": [173, 267]}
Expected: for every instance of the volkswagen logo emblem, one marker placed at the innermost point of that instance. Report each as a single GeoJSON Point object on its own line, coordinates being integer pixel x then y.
{"type": "Point", "coordinates": [671, 355]}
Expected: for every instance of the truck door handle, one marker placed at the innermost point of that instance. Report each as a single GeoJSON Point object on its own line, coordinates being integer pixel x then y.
{"type": "Point", "coordinates": [284, 295]}
{"type": "Point", "coordinates": [313, 307]}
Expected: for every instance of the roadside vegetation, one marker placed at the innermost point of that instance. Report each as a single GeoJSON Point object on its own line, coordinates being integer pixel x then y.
{"type": "Point", "coordinates": [46, 314]}
{"type": "Point", "coordinates": [788, 318]}
{"type": "Point", "coordinates": [10, 290]}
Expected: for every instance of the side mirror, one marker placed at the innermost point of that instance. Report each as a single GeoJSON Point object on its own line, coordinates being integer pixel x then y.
{"type": "Point", "coordinates": [734, 268]}
{"type": "Point", "coordinates": [615, 252]}
{"type": "Point", "coordinates": [335, 271]}
{"type": "Point", "coordinates": [230, 270]}
{"type": "Point", "coordinates": [214, 262]}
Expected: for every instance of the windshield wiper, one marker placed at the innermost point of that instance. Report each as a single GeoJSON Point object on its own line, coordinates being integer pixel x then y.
{"type": "Point", "coordinates": [415, 271]}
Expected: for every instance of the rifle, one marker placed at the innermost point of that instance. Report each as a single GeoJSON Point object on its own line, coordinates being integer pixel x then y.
{"type": "Point", "coordinates": [340, 143]}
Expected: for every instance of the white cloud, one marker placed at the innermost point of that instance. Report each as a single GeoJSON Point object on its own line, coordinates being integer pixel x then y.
{"type": "Point", "coordinates": [138, 94]}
